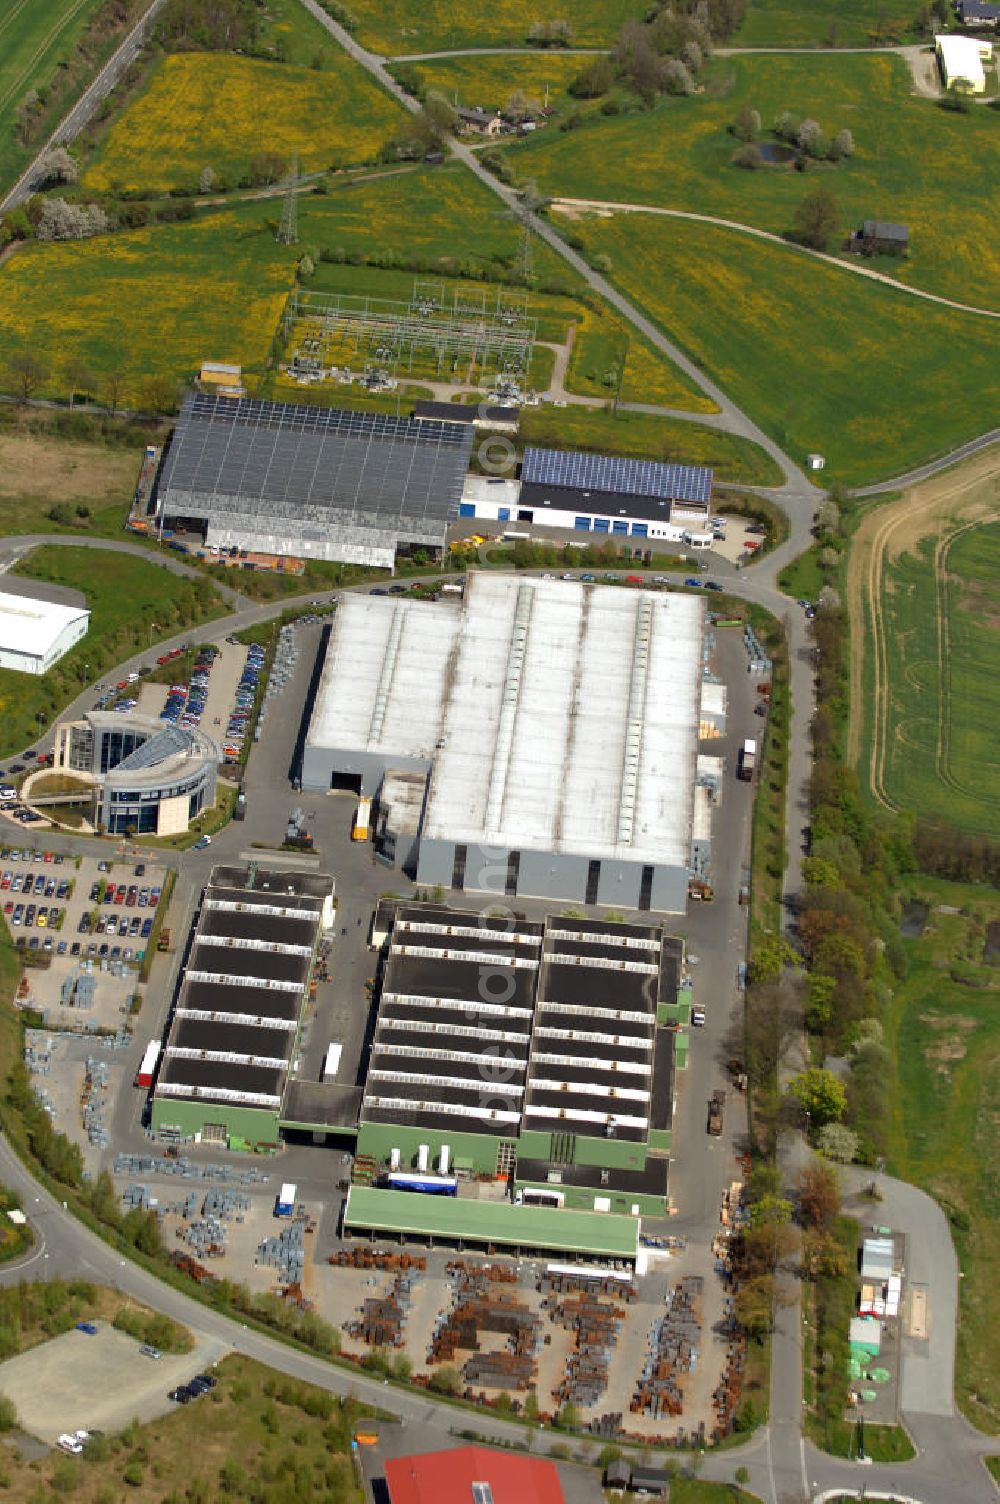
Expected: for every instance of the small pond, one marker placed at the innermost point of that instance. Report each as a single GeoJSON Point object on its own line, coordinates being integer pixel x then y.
{"type": "Point", "coordinates": [774, 151]}
{"type": "Point", "coordinates": [911, 926]}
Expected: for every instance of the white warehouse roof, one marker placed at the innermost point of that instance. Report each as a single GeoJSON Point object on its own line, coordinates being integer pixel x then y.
{"type": "Point", "coordinates": [33, 627]}
{"type": "Point", "coordinates": [572, 721]}
{"type": "Point", "coordinates": [556, 716]}
{"type": "Point", "coordinates": [962, 60]}
{"type": "Point", "coordinates": [383, 683]}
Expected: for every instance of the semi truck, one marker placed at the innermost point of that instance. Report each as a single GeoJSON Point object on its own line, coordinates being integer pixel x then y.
{"type": "Point", "coordinates": [362, 817]}
{"type": "Point", "coordinates": [716, 1110]}
{"type": "Point", "coordinates": [147, 1066]}
{"type": "Point", "coordinates": [284, 1206]}
{"type": "Point", "coordinates": [747, 760]}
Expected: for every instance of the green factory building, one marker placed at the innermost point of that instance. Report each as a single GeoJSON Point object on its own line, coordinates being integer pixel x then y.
{"type": "Point", "coordinates": [530, 1061]}
{"type": "Point", "coordinates": [224, 1070]}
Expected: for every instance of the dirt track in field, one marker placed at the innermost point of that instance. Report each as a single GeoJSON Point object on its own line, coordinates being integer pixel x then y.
{"type": "Point", "coordinates": [941, 508]}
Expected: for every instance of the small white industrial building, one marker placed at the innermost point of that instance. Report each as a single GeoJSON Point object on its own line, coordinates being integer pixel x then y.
{"type": "Point", "coordinates": [556, 724]}
{"type": "Point", "coordinates": [596, 494]}
{"type": "Point", "coordinates": [961, 61]}
{"type": "Point", "coordinates": [35, 634]}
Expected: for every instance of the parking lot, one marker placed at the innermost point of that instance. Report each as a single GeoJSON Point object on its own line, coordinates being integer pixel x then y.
{"type": "Point", "coordinates": [85, 919]}
{"type": "Point", "coordinates": [77, 1381]}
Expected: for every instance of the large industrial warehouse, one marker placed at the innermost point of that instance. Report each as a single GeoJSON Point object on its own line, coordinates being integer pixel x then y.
{"type": "Point", "coordinates": [226, 1062]}
{"type": "Point", "coordinates": [313, 483]}
{"type": "Point", "coordinates": [555, 723]}
{"type": "Point", "coordinates": [537, 1055]}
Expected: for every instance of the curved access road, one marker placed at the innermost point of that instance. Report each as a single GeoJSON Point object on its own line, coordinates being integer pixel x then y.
{"type": "Point", "coordinates": [933, 467]}
{"type": "Point", "coordinates": [610, 206]}
{"type": "Point", "coordinates": [797, 487]}
{"type": "Point", "coordinates": [12, 548]}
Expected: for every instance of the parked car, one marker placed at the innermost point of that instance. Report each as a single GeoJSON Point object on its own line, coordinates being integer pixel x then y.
{"type": "Point", "coordinates": [88, 1327]}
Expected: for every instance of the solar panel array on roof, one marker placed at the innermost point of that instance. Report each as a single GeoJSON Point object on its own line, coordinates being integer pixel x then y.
{"type": "Point", "coordinates": [285, 468]}
{"type": "Point", "coordinates": [621, 477]}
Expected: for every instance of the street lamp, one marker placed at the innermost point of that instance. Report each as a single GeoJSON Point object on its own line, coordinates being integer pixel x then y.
{"type": "Point", "coordinates": [153, 627]}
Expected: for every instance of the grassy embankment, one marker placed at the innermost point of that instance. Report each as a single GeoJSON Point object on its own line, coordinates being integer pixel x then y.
{"type": "Point", "coordinates": [129, 608]}
{"type": "Point", "coordinates": [826, 382]}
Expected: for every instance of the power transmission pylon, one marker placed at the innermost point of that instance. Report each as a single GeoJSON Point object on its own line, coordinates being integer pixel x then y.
{"type": "Point", "coordinates": [288, 229]}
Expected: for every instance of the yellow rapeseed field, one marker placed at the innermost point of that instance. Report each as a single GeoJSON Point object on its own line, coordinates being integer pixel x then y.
{"type": "Point", "coordinates": [215, 110]}
{"type": "Point", "coordinates": [147, 302]}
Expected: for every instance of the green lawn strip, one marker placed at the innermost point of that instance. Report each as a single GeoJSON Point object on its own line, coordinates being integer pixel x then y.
{"type": "Point", "coordinates": [130, 604]}
{"type": "Point", "coordinates": [958, 780]}
{"type": "Point", "coordinates": [699, 1491]}
{"type": "Point", "coordinates": [803, 578]}
{"type": "Point", "coordinates": [830, 381]}
{"type": "Point", "coordinates": [650, 437]}
{"type": "Point", "coordinates": [943, 1029]}
{"type": "Point", "coordinates": [833, 1305]}
{"type": "Point", "coordinates": [849, 23]}
{"type": "Point", "coordinates": [396, 27]}
{"type": "Point", "coordinates": [903, 167]}
{"type": "Point", "coordinates": [993, 1464]}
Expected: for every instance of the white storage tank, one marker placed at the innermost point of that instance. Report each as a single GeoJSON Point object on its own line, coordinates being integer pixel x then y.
{"type": "Point", "coordinates": [394, 1159]}
{"type": "Point", "coordinates": [423, 1158]}
{"type": "Point", "coordinates": [444, 1160]}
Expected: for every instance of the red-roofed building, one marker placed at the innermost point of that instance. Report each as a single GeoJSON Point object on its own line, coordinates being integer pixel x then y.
{"type": "Point", "coordinates": [472, 1475]}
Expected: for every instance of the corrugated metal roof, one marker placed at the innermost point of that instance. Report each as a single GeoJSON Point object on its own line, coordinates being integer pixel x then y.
{"type": "Point", "coordinates": [313, 466]}
{"type": "Point", "coordinates": [474, 1221]}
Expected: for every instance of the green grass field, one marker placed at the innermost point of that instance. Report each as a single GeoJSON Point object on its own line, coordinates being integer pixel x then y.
{"type": "Point", "coordinates": [944, 1032]}
{"type": "Point", "coordinates": [214, 110]}
{"type": "Point", "coordinates": [650, 437]}
{"type": "Point", "coordinates": [130, 607]}
{"type": "Point", "coordinates": [37, 41]}
{"type": "Point", "coordinates": [156, 301]}
{"type": "Point", "coordinates": [162, 299]}
{"type": "Point", "coordinates": [488, 81]}
{"type": "Point", "coordinates": [942, 709]}
{"type": "Point", "coordinates": [398, 27]}
{"type": "Point", "coordinates": [809, 351]}
{"type": "Point", "coordinates": [842, 23]}
{"type": "Point", "coordinates": [905, 166]}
